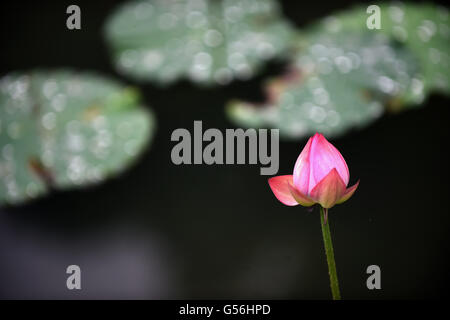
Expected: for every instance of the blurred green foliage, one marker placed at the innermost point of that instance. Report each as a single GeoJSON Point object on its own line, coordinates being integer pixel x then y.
{"type": "Point", "coordinates": [208, 42]}
{"type": "Point", "coordinates": [62, 129]}
{"type": "Point", "coordinates": [343, 75]}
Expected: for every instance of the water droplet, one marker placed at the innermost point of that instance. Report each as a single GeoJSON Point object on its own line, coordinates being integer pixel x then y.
{"type": "Point", "coordinates": [193, 46]}
{"type": "Point", "coordinates": [59, 102]}
{"type": "Point", "coordinates": [400, 33]}
{"type": "Point", "coordinates": [76, 169]}
{"type": "Point", "coordinates": [332, 24]}
{"type": "Point", "coordinates": [314, 83]}
{"type": "Point", "coordinates": [343, 63]}
{"type": "Point", "coordinates": [200, 69]}
{"type": "Point", "coordinates": [75, 142]}
{"type": "Point", "coordinates": [8, 152]}
{"type": "Point", "coordinates": [386, 84]}
{"type": "Point", "coordinates": [168, 74]}
{"type": "Point", "coordinates": [376, 109]}
{"type": "Point", "coordinates": [32, 190]}
{"type": "Point", "coordinates": [95, 174]}
{"type": "Point", "coordinates": [243, 71]}
{"type": "Point", "coordinates": [318, 50]}
{"type": "Point", "coordinates": [12, 189]}
{"type": "Point", "coordinates": [321, 96]}
{"type": "Point", "coordinates": [74, 87]}
{"type": "Point", "coordinates": [335, 52]}
{"type": "Point", "coordinates": [396, 14]}
{"type": "Point", "coordinates": [131, 147]}
{"type": "Point", "coordinates": [237, 46]}
{"type": "Point", "coordinates": [333, 118]}
{"type": "Point", "coordinates": [417, 86]}
{"type": "Point", "coordinates": [143, 10]}
{"type": "Point", "coordinates": [233, 14]}
{"type": "Point", "coordinates": [17, 89]}
{"type": "Point", "coordinates": [167, 21]}
{"type": "Point", "coordinates": [152, 60]}
{"type": "Point", "coordinates": [199, 75]}
{"type": "Point", "coordinates": [317, 114]}
{"type": "Point", "coordinates": [202, 60]}
{"type": "Point", "coordinates": [324, 66]}
{"type": "Point", "coordinates": [49, 121]}
{"type": "Point", "coordinates": [213, 38]}
{"type": "Point", "coordinates": [196, 20]}
{"type": "Point", "coordinates": [99, 122]}
{"type": "Point", "coordinates": [99, 153]}
{"type": "Point", "coordinates": [47, 157]}
{"type": "Point", "coordinates": [435, 55]}
{"type": "Point", "coordinates": [104, 139]}
{"type": "Point", "coordinates": [265, 50]}
{"type": "Point", "coordinates": [236, 59]}
{"type": "Point", "coordinates": [223, 76]}
{"type": "Point", "coordinates": [356, 60]}
{"type": "Point", "coordinates": [430, 25]}
{"type": "Point", "coordinates": [297, 128]}
{"type": "Point", "coordinates": [50, 87]}
{"type": "Point", "coordinates": [128, 59]}
{"type": "Point", "coordinates": [426, 30]}
{"type": "Point", "coordinates": [197, 5]}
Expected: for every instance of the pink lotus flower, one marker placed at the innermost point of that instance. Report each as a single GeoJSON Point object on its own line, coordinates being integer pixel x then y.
{"type": "Point", "coordinates": [320, 176]}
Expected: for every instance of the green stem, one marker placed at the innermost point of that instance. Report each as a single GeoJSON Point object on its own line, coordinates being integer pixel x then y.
{"type": "Point", "coordinates": [334, 283]}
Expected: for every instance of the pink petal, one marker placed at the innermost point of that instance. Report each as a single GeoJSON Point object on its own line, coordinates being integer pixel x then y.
{"type": "Point", "coordinates": [329, 190]}
{"type": "Point", "coordinates": [302, 169]}
{"type": "Point", "coordinates": [323, 158]}
{"type": "Point", "coordinates": [348, 193]}
{"type": "Point", "coordinates": [280, 188]}
{"type": "Point", "coordinates": [301, 198]}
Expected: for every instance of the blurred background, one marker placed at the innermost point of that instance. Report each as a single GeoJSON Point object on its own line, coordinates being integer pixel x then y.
{"type": "Point", "coordinates": [161, 231]}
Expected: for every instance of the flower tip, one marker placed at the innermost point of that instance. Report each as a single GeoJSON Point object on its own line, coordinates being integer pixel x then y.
{"type": "Point", "coordinates": [320, 138]}
{"type": "Point", "coordinates": [317, 135]}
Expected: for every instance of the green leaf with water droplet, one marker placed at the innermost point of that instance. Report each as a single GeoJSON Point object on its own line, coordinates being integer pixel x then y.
{"type": "Point", "coordinates": [424, 29]}
{"type": "Point", "coordinates": [63, 129]}
{"type": "Point", "coordinates": [208, 42]}
{"type": "Point", "coordinates": [335, 83]}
